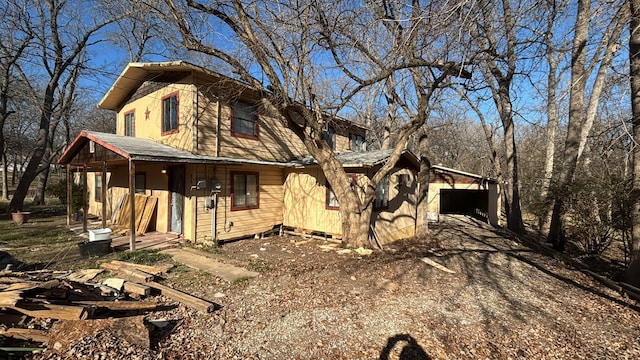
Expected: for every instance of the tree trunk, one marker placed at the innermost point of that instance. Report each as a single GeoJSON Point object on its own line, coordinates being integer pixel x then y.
{"type": "Point", "coordinates": [576, 119]}
{"type": "Point", "coordinates": [633, 272]}
{"type": "Point", "coordinates": [30, 173]}
{"type": "Point", "coordinates": [552, 124]}
{"type": "Point", "coordinates": [39, 198]}
{"type": "Point", "coordinates": [5, 177]}
{"type": "Point", "coordinates": [422, 201]}
{"type": "Point", "coordinates": [512, 191]}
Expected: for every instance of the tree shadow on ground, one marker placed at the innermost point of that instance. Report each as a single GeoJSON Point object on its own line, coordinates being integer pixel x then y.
{"type": "Point", "coordinates": [408, 346]}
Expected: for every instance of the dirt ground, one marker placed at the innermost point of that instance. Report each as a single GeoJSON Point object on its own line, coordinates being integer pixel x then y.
{"type": "Point", "coordinates": [492, 299]}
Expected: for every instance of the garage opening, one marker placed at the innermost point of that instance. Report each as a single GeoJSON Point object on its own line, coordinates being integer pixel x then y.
{"type": "Point", "coordinates": [467, 202]}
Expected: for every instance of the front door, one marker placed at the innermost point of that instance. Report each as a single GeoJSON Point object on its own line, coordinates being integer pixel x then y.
{"type": "Point", "coordinates": [176, 198]}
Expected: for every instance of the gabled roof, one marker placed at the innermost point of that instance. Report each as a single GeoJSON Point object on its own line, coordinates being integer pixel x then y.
{"type": "Point", "coordinates": [366, 159]}
{"type": "Point", "coordinates": [137, 72]}
{"type": "Point", "coordinates": [460, 172]}
{"type": "Point", "coordinates": [139, 149]}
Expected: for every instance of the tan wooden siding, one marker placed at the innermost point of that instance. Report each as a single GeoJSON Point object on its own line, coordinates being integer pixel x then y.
{"type": "Point", "coordinates": [398, 221]}
{"type": "Point", "coordinates": [245, 222]}
{"type": "Point", "coordinates": [275, 142]}
{"type": "Point", "coordinates": [151, 127]}
{"type": "Point", "coordinates": [305, 194]}
{"type": "Point", "coordinates": [206, 130]}
{"type": "Point", "coordinates": [305, 205]}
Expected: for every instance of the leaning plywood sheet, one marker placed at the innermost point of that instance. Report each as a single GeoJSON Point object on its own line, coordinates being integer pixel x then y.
{"type": "Point", "coordinates": [145, 216]}
{"type": "Point", "coordinates": [141, 201]}
{"type": "Point", "coordinates": [118, 208]}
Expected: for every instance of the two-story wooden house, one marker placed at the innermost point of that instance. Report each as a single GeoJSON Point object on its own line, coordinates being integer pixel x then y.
{"type": "Point", "coordinates": [220, 167]}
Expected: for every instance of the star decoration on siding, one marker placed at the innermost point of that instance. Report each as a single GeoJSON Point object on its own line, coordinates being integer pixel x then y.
{"type": "Point", "coordinates": [146, 114]}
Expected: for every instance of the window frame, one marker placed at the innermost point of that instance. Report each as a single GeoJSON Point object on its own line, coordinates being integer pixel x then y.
{"type": "Point", "coordinates": [329, 192]}
{"type": "Point", "coordinates": [232, 175]}
{"type": "Point", "coordinates": [256, 123]}
{"type": "Point", "coordinates": [351, 138]}
{"type": "Point", "coordinates": [384, 205]}
{"type": "Point", "coordinates": [168, 97]}
{"type": "Point", "coordinates": [97, 187]}
{"type": "Point", "coordinates": [131, 113]}
{"type": "Point", "coordinates": [144, 183]}
{"type": "Point", "coordinates": [331, 142]}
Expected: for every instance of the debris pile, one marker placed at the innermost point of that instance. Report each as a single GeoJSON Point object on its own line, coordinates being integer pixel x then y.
{"type": "Point", "coordinates": [48, 309]}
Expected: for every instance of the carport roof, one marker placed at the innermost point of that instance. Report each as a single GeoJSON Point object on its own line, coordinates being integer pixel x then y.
{"type": "Point", "coordinates": [463, 173]}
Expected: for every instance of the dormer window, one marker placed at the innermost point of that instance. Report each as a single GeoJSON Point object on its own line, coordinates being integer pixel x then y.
{"type": "Point", "coordinates": [329, 137]}
{"type": "Point", "coordinates": [244, 120]}
{"type": "Point", "coordinates": [170, 114]}
{"type": "Point", "coordinates": [357, 142]}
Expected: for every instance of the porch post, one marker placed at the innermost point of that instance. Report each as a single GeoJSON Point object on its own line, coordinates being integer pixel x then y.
{"type": "Point", "coordinates": [103, 178]}
{"type": "Point", "coordinates": [69, 194]}
{"type": "Point", "coordinates": [132, 203]}
{"type": "Point", "coordinates": [85, 200]}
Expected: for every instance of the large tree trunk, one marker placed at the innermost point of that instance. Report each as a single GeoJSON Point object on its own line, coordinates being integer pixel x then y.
{"type": "Point", "coordinates": [581, 118]}
{"type": "Point", "coordinates": [576, 119]}
{"type": "Point", "coordinates": [633, 272]}
{"type": "Point", "coordinates": [31, 171]}
{"type": "Point", "coordinates": [422, 201]}
{"type": "Point", "coordinates": [552, 122]}
{"type": "Point", "coordinates": [43, 177]}
{"type": "Point", "coordinates": [514, 212]}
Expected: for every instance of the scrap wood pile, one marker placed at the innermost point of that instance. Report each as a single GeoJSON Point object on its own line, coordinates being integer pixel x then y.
{"type": "Point", "coordinates": [144, 207]}
{"type": "Point", "coordinates": [48, 309]}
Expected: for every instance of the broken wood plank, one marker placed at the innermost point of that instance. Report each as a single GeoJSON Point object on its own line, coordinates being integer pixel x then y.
{"type": "Point", "coordinates": [154, 270]}
{"type": "Point", "coordinates": [436, 265]}
{"type": "Point", "coordinates": [121, 305]}
{"type": "Point", "coordinates": [51, 311]}
{"type": "Point", "coordinates": [10, 298]}
{"type": "Point", "coordinates": [129, 273]}
{"type": "Point", "coordinates": [184, 298]}
{"type": "Point", "coordinates": [83, 275]}
{"type": "Point", "coordinates": [136, 289]}
{"type": "Point", "coordinates": [25, 334]}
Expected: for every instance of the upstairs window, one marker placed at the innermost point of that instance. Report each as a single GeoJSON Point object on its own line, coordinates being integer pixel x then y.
{"type": "Point", "coordinates": [170, 114]}
{"type": "Point", "coordinates": [357, 142]}
{"type": "Point", "coordinates": [129, 121]}
{"type": "Point", "coordinates": [329, 136]}
{"type": "Point", "coordinates": [244, 191]}
{"type": "Point", "coordinates": [244, 121]}
{"type": "Point", "coordinates": [382, 194]}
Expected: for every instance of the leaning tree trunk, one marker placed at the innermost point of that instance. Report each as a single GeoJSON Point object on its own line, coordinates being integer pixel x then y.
{"type": "Point", "coordinates": [38, 154]}
{"type": "Point", "coordinates": [43, 177]}
{"type": "Point", "coordinates": [633, 272]}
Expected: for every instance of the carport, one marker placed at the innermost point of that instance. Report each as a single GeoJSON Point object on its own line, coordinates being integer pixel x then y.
{"type": "Point", "coordinates": [453, 191]}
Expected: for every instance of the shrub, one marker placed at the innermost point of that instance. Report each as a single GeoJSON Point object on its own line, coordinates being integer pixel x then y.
{"type": "Point", "coordinates": [59, 190]}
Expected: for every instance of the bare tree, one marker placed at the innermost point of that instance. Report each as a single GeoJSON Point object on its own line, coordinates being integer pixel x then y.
{"type": "Point", "coordinates": [14, 40]}
{"type": "Point", "coordinates": [583, 104]}
{"type": "Point", "coordinates": [63, 32]}
{"type": "Point", "coordinates": [633, 271]}
{"type": "Point", "coordinates": [499, 53]}
{"type": "Point", "coordinates": [284, 40]}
